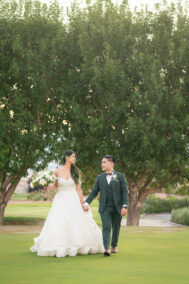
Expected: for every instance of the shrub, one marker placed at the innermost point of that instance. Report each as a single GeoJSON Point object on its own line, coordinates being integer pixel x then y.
{"type": "Point", "coordinates": [158, 205]}
{"type": "Point", "coordinates": [36, 196]}
{"type": "Point", "coordinates": [180, 216]}
{"type": "Point", "coordinates": [41, 195]}
{"type": "Point", "coordinates": [21, 220]}
{"type": "Point", "coordinates": [179, 203]}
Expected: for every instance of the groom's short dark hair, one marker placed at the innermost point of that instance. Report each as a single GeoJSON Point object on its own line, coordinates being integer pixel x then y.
{"type": "Point", "coordinates": [109, 158]}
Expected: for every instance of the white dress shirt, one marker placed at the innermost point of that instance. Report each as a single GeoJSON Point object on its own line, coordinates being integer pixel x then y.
{"type": "Point", "coordinates": [108, 177]}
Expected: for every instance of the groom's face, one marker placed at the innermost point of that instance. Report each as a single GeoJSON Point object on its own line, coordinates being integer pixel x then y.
{"type": "Point", "coordinates": [107, 165]}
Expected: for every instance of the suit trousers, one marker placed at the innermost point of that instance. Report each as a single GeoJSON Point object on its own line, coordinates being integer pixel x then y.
{"type": "Point", "coordinates": [110, 219]}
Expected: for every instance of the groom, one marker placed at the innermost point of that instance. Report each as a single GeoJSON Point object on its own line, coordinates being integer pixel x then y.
{"type": "Point", "coordinates": [113, 201]}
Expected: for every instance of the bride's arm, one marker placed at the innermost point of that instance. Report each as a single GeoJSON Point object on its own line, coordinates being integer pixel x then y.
{"type": "Point", "coordinates": [80, 193]}
{"type": "Point", "coordinates": [55, 184]}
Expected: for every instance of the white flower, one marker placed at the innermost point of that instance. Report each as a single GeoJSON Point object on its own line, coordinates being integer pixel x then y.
{"type": "Point", "coordinates": [42, 181]}
{"type": "Point", "coordinates": [43, 177]}
{"type": "Point", "coordinates": [115, 177]}
{"type": "Point", "coordinates": [34, 180]}
{"type": "Point", "coordinates": [31, 185]}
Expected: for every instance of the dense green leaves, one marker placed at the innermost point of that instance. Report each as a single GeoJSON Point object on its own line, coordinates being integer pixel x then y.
{"type": "Point", "coordinates": [99, 80]}
{"type": "Point", "coordinates": [30, 40]}
{"type": "Point", "coordinates": [134, 99]}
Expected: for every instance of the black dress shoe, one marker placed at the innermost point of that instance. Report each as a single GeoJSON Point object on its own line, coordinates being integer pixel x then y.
{"type": "Point", "coordinates": [107, 253]}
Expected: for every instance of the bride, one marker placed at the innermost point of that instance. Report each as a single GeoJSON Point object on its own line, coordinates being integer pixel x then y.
{"type": "Point", "coordinates": [68, 229]}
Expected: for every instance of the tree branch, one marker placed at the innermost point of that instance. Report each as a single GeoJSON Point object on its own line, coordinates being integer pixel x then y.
{"type": "Point", "coordinates": [143, 195]}
{"type": "Point", "coordinates": [147, 183]}
{"type": "Point", "coordinates": [141, 181]}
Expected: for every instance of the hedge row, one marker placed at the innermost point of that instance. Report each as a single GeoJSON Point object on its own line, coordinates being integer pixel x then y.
{"type": "Point", "coordinates": [180, 216]}
{"type": "Point", "coordinates": [158, 205]}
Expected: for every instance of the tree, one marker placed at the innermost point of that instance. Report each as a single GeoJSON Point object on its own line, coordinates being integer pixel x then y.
{"type": "Point", "coordinates": [31, 34]}
{"type": "Point", "coordinates": [106, 81]}
{"type": "Point", "coordinates": [131, 94]}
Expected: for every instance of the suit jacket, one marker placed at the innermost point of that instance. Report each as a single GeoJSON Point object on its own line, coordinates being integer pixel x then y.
{"type": "Point", "coordinates": [119, 188]}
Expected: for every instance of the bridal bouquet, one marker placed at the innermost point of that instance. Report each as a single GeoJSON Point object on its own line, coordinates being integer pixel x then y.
{"type": "Point", "coordinates": [43, 177]}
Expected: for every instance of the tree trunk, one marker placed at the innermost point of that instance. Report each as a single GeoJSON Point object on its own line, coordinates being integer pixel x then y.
{"type": "Point", "coordinates": [5, 194]}
{"type": "Point", "coordinates": [133, 215]}
{"type": "Point", "coordinates": [2, 211]}
{"type": "Point", "coordinates": [138, 193]}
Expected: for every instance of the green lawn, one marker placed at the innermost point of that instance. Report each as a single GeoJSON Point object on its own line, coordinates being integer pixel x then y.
{"type": "Point", "coordinates": [28, 209]}
{"type": "Point", "coordinates": [145, 256]}
{"type": "Point", "coordinates": [40, 210]}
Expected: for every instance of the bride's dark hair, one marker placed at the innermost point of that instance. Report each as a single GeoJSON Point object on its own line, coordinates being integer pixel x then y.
{"type": "Point", "coordinates": [75, 172]}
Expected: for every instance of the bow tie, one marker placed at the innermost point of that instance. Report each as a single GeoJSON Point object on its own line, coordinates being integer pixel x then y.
{"type": "Point", "coordinates": [108, 174]}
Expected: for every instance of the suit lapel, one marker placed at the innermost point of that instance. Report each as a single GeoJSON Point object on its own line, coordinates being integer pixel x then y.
{"type": "Point", "coordinates": [112, 182]}
{"type": "Point", "coordinates": [105, 180]}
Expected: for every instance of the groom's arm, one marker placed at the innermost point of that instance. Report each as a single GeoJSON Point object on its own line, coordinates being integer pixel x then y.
{"type": "Point", "coordinates": [124, 190]}
{"type": "Point", "coordinates": [93, 193]}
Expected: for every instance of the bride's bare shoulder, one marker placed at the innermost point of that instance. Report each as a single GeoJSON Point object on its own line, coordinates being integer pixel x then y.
{"type": "Point", "coordinates": [57, 170]}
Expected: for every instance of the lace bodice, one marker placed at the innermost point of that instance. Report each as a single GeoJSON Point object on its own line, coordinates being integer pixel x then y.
{"type": "Point", "coordinates": [64, 184]}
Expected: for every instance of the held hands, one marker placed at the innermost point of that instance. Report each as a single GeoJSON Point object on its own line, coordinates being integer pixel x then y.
{"type": "Point", "coordinates": [123, 211]}
{"type": "Point", "coordinates": [85, 208]}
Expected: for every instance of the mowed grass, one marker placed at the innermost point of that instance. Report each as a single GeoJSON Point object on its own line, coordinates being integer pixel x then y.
{"type": "Point", "coordinates": [38, 210]}
{"type": "Point", "coordinates": [146, 256]}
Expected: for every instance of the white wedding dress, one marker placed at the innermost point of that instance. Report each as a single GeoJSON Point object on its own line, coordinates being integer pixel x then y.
{"type": "Point", "coordinates": [68, 229]}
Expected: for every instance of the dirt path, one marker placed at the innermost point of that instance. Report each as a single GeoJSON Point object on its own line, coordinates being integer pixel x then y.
{"type": "Point", "coordinates": [36, 229]}
{"type": "Point", "coordinates": [21, 229]}
{"type": "Point", "coordinates": [155, 220]}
